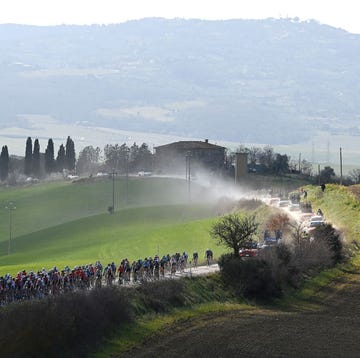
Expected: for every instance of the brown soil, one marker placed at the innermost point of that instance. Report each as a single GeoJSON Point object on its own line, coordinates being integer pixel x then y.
{"type": "Point", "coordinates": [330, 327]}
{"type": "Point", "coordinates": [355, 189]}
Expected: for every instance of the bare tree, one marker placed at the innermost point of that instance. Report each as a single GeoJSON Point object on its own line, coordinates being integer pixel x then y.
{"type": "Point", "coordinates": [307, 251]}
{"type": "Point", "coordinates": [278, 222]}
{"type": "Point", "coordinates": [355, 175]}
{"type": "Point", "coordinates": [235, 231]}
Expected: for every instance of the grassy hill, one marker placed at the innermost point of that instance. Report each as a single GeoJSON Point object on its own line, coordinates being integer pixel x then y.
{"type": "Point", "coordinates": [340, 205]}
{"type": "Point", "coordinates": [199, 305]}
{"type": "Point", "coordinates": [67, 223]}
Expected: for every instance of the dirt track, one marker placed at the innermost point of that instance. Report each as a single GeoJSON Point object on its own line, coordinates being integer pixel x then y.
{"type": "Point", "coordinates": [331, 328]}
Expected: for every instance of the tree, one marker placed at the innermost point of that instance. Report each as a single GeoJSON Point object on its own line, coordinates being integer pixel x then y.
{"type": "Point", "coordinates": [278, 222]}
{"type": "Point", "coordinates": [70, 158]}
{"type": "Point", "coordinates": [327, 174]}
{"type": "Point", "coordinates": [306, 167]}
{"type": "Point", "coordinates": [116, 156]}
{"type": "Point", "coordinates": [133, 155]}
{"type": "Point", "coordinates": [4, 163]}
{"type": "Point", "coordinates": [88, 159]}
{"type": "Point", "coordinates": [328, 234]}
{"type": "Point", "coordinates": [355, 175]}
{"type": "Point", "coordinates": [280, 164]}
{"type": "Point", "coordinates": [49, 157]}
{"type": "Point", "coordinates": [145, 157]}
{"type": "Point", "coordinates": [28, 157]}
{"type": "Point", "coordinates": [60, 159]}
{"type": "Point", "coordinates": [36, 159]}
{"type": "Point", "coordinates": [235, 231]}
{"type": "Point", "coordinates": [253, 154]}
{"type": "Point", "coordinates": [266, 157]}
{"type": "Point", "coordinates": [141, 157]}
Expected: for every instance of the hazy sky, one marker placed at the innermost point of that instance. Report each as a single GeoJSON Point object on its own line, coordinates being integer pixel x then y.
{"type": "Point", "coordinates": [338, 13]}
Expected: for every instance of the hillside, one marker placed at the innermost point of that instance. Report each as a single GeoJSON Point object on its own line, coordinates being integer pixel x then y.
{"type": "Point", "coordinates": [318, 320]}
{"type": "Point", "coordinates": [325, 325]}
{"type": "Point", "coordinates": [183, 78]}
{"type": "Point", "coordinates": [167, 317]}
{"type": "Point", "coordinates": [66, 223]}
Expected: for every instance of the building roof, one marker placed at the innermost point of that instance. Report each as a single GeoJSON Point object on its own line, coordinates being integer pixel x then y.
{"type": "Point", "coordinates": [189, 145]}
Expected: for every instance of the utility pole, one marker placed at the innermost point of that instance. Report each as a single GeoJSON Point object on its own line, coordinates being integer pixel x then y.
{"type": "Point", "coordinates": [113, 191]}
{"type": "Point", "coordinates": [111, 209]}
{"type": "Point", "coordinates": [10, 207]}
{"type": "Point", "coordinates": [188, 174]}
{"type": "Point", "coordinates": [341, 171]}
{"type": "Point", "coordinates": [127, 178]}
{"type": "Point", "coordinates": [299, 163]}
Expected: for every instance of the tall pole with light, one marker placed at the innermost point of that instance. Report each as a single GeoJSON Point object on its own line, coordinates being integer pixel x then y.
{"type": "Point", "coordinates": [10, 207]}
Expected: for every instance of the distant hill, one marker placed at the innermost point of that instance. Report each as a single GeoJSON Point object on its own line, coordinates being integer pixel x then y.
{"type": "Point", "coordinates": [260, 81]}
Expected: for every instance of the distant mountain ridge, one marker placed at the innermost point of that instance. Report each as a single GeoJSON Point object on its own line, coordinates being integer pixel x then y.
{"type": "Point", "coordinates": [260, 81]}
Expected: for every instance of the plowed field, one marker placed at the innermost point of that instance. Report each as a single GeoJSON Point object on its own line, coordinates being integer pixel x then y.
{"type": "Point", "coordinates": [328, 327]}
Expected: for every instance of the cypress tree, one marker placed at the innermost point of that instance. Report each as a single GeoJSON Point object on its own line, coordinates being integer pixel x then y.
{"type": "Point", "coordinates": [60, 159]}
{"type": "Point", "coordinates": [4, 163]}
{"type": "Point", "coordinates": [70, 154]}
{"type": "Point", "coordinates": [49, 157]}
{"type": "Point", "coordinates": [28, 157]}
{"type": "Point", "coordinates": [36, 159]}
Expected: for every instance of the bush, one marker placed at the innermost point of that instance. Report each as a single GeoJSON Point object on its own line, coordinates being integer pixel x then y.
{"type": "Point", "coordinates": [279, 267]}
{"type": "Point", "coordinates": [62, 326]}
{"type": "Point", "coordinates": [309, 254]}
{"type": "Point", "coordinates": [159, 296]}
{"type": "Point", "coordinates": [251, 278]}
{"type": "Point", "coordinates": [280, 260]}
{"type": "Point", "coordinates": [327, 235]}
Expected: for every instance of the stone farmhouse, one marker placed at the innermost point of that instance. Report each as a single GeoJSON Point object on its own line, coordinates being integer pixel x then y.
{"type": "Point", "coordinates": [183, 156]}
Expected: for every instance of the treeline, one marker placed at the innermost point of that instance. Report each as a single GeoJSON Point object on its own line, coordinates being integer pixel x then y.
{"type": "Point", "coordinates": [122, 158]}
{"type": "Point", "coordinates": [266, 161]}
{"type": "Point", "coordinates": [37, 164]}
{"type": "Point", "coordinates": [135, 158]}
{"type": "Point", "coordinates": [34, 165]}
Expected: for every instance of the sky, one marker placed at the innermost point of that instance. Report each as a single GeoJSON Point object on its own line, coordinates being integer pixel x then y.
{"type": "Point", "coordinates": [337, 13]}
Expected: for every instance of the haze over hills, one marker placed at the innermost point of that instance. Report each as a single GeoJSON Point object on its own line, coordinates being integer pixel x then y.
{"type": "Point", "coordinates": [278, 82]}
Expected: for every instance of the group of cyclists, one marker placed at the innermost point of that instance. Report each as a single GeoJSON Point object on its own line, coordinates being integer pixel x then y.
{"type": "Point", "coordinates": [30, 285]}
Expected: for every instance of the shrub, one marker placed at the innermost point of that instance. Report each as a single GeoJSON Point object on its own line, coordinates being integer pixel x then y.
{"type": "Point", "coordinates": [310, 254]}
{"type": "Point", "coordinates": [328, 236]}
{"type": "Point", "coordinates": [279, 258]}
{"type": "Point", "coordinates": [159, 296]}
{"type": "Point", "coordinates": [251, 278]}
{"type": "Point", "coordinates": [62, 326]}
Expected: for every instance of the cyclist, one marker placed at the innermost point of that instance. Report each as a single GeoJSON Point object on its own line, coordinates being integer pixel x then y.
{"type": "Point", "coordinates": [195, 259]}
{"type": "Point", "coordinates": [209, 256]}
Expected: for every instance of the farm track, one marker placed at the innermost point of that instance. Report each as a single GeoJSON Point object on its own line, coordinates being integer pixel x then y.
{"type": "Point", "coordinates": [325, 327]}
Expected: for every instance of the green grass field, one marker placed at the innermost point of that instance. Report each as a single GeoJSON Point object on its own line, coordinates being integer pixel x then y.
{"type": "Point", "coordinates": [65, 223]}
